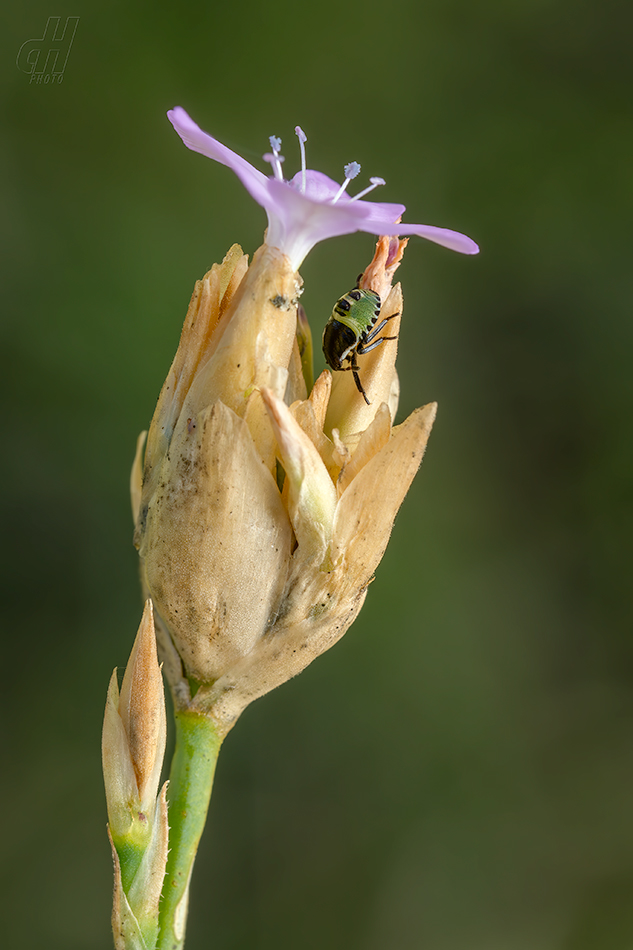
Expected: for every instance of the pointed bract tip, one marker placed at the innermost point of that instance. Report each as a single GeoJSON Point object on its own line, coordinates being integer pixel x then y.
{"type": "Point", "coordinates": [142, 709]}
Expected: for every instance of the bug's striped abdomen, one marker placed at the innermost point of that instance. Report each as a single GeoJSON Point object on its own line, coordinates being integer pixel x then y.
{"type": "Point", "coordinates": [358, 310]}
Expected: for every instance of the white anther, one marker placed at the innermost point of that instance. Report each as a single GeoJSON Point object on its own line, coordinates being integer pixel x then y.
{"type": "Point", "coordinates": [375, 182]}
{"type": "Point", "coordinates": [351, 171]}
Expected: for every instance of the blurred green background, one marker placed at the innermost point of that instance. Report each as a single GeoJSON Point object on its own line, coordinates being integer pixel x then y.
{"type": "Point", "coordinates": [457, 774]}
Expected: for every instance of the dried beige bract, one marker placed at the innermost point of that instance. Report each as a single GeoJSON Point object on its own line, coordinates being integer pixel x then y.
{"type": "Point", "coordinates": [134, 733]}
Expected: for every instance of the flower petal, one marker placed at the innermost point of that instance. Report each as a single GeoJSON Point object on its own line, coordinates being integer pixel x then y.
{"type": "Point", "coordinates": [194, 138]}
{"type": "Point", "coordinates": [383, 218]}
{"type": "Point", "coordinates": [453, 240]}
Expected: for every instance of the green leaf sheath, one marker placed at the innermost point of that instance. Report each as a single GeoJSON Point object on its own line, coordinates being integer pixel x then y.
{"type": "Point", "coordinates": [190, 784]}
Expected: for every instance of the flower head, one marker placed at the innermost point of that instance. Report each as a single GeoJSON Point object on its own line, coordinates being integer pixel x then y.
{"type": "Point", "coordinates": [262, 511]}
{"type": "Point", "coordinates": [311, 207]}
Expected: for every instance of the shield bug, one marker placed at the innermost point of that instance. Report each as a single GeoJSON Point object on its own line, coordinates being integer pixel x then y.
{"type": "Point", "coordinates": [351, 331]}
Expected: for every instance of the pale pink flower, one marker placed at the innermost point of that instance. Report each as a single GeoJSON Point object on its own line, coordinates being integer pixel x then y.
{"type": "Point", "coordinates": [311, 207]}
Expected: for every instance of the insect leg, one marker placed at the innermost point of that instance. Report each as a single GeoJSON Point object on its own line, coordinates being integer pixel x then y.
{"type": "Point", "coordinates": [376, 330]}
{"type": "Point", "coordinates": [362, 349]}
{"type": "Point", "coordinates": [359, 386]}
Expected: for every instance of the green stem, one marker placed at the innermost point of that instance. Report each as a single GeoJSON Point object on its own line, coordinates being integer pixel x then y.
{"type": "Point", "coordinates": [190, 783]}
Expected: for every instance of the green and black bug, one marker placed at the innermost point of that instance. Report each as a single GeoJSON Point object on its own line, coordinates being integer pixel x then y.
{"type": "Point", "coordinates": [351, 331]}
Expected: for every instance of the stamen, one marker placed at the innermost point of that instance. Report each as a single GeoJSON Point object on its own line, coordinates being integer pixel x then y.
{"type": "Point", "coordinates": [303, 138]}
{"type": "Point", "coordinates": [375, 182]}
{"type": "Point", "coordinates": [275, 159]}
{"type": "Point", "coordinates": [351, 171]}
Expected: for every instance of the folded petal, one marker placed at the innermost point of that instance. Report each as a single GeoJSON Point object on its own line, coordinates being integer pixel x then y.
{"type": "Point", "coordinates": [216, 543]}
{"type": "Point", "coordinates": [368, 507]}
{"type": "Point", "coordinates": [254, 350]}
{"type": "Point", "coordinates": [194, 138]}
{"type": "Point", "coordinates": [142, 710]}
{"type": "Point", "coordinates": [375, 436]}
{"type": "Point", "coordinates": [201, 333]}
{"type": "Point", "coordinates": [312, 495]}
